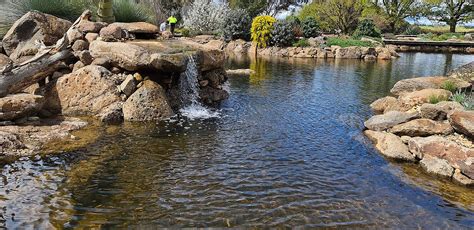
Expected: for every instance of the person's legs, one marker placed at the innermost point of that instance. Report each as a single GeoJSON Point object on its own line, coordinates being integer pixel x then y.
{"type": "Point", "coordinates": [172, 27]}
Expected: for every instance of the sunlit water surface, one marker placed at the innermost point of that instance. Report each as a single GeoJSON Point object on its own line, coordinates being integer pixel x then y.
{"type": "Point", "coordinates": [285, 150]}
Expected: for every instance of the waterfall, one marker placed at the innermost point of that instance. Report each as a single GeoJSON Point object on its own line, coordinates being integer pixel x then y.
{"type": "Point", "coordinates": [192, 108]}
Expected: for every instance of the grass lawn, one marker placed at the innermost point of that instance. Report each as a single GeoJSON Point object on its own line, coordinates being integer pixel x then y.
{"type": "Point", "coordinates": [445, 29]}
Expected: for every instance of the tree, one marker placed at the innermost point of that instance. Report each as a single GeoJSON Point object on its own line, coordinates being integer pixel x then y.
{"type": "Point", "coordinates": [105, 11]}
{"type": "Point", "coordinates": [451, 12]}
{"type": "Point", "coordinates": [342, 15]}
{"type": "Point", "coordinates": [395, 11]}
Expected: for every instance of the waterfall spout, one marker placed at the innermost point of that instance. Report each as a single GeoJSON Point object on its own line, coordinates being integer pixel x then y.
{"type": "Point", "coordinates": [192, 108]}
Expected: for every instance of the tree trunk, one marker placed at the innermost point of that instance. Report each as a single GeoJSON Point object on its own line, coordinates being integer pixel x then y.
{"type": "Point", "coordinates": [22, 77]}
{"type": "Point", "coordinates": [452, 27]}
{"type": "Point", "coordinates": [105, 12]}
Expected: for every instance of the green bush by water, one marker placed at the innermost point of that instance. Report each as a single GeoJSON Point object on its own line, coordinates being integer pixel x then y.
{"type": "Point", "coordinates": [310, 27]}
{"type": "Point", "coordinates": [347, 42]}
{"type": "Point", "coordinates": [367, 28]}
{"type": "Point", "coordinates": [282, 34]}
{"type": "Point", "coordinates": [301, 43]}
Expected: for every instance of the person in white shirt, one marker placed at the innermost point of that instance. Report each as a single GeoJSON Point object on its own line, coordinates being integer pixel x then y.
{"type": "Point", "coordinates": [163, 27]}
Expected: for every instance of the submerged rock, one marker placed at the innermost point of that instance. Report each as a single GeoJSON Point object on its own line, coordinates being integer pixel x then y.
{"type": "Point", "coordinates": [437, 146]}
{"type": "Point", "coordinates": [147, 103]}
{"type": "Point", "coordinates": [240, 72]}
{"type": "Point", "coordinates": [437, 166]}
{"type": "Point", "coordinates": [390, 145]}
{"type": "Point", "coordinates": [420, 83]}
{"type": "Point", "coordinates": [388, 120]}
{"type": "Point", "coordinates": [463, 122]}
{"type": "Point", "coordinates": [26, 140]}
{"type": "Point", "coordinates": [422, 127]}
{"type": "Point", "coordinates": [20, 40]}
{"type": "Point", "coordinates": [16, 106]}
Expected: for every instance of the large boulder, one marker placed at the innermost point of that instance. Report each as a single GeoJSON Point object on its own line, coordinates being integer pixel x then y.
{"type": "Point", "coordinates": [138, 27]}
{"type": "Point", "coordinates": [20, 39]}
{"type": "Point", "coordinates": [86, 26]}
{"type": "Point", "coordinates": [124, 55]}
{"type": "Point", "coordinates": [111, 33]}
{"type": "Point", "coordinates": [465, 72]}
{"type": "Point", "coordinates": [420, 97]}
{"type": "Point", "coordinates": [388, 120]}
{"type": "Point", "coordinates": [440, 147]}
{"type": "Point", "coordinates": [86, 91]}
{"type": "Point", "coordinates": [463, 122]}
{"type": "Point", "coordinates": [210, 59]}
{"type": "Point", "coordinates": [415, 84]}
{"type": "Point", "coordinates": [385, 104]}
{"type": "Point", "coordinates": [147, 103]}
{"type": "Point", "coordinates": [169, 63]}
{"type": "Point", "coordinates": [390, 145]}
{"type": "Point", "coordinates": [16, 106]}
{"type": "Point", "coordinates": [238, 47]}
{"type": "Point", "coordinates": [422, 127]}
{"type": "Point", "coordinates": [440, 110]}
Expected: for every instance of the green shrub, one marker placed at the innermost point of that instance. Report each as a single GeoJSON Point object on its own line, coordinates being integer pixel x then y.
{"type": "Point", "coordinates": [261, 30]}
{"type": "Point", "coordinates": [237, 25]}
{"type": "Point", "coordinates": [310, 27]}
{"type": "Point", "coordinates": [347, 42]}
{"type": "Point", "coordinates": [434, 99]}
{"type": "Point", "coordinates": [464, 98]}
{"type": "Point", "coordinates": [413, 30]}
{"type": "Point", "coordinates": [301, 43]}
{"type": "Point", "coordinates": [296, 25]}
{"type": "Point", "coordinates": [449, 85]}
{"type": "Point", "coordinates": [130, 11]}
{"type": "Point", "coordinates": [282, 34]}
{"type": "Point", "coordinates": [367, 28]}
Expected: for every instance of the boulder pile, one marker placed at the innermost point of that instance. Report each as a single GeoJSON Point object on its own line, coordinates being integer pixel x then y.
{"type": "Point", "coordinates": [95, 69]}
{"type": "Point", "coordinates": [419, 124]}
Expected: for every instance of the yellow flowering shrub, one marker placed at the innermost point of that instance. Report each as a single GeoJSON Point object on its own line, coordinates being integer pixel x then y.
{"type": "Point", "coordinates": [261, 30]}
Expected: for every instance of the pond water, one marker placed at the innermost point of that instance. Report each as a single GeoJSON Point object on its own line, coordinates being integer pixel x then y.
{"type": "Point", "coordinates": [286, 150]}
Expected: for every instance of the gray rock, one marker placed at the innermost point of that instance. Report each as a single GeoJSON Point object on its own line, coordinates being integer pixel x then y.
{"type": "Point", "coordinates": [78, 65]}
{"type": "Point", "coordinates": [90, 37]}
{"type": "Point", "coordinates": [6, 64]}
{"type": "Point", "coordinates": [385, 104]}
{"type": "Point", "coordinates": [169, 62]}
{"type": "Point", "coordinates": [90, 27]}
{"type": "Point", "coordinates": [80, 45]}
{"type": "Point", "coordinates": [390, 145]}
{"type": "Point", "coordinates": [73, 35]}
{"type": "Point", "coordinates": [465, 72]}
{"type": "Point", "coordinates": [388, 120]}
{"type": "Point", "coordinates": [128, 86]}
{"type": "Point", "coordinates": [85, 57]}
{"type": "Point", "coordinates": [437, 166]}
{"type": "Point", "coordinates": [462, 179]}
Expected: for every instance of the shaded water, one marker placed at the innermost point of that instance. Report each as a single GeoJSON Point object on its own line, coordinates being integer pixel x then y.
{"type": "Point", "coordinates": [287, 150]}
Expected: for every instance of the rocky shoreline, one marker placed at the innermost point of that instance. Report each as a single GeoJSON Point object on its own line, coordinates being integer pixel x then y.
{"type": "Point", "coordinates": [409, 126]}
{"type": "Point", "coordinates": [241, 47]}
{"type": "Point", "coordinates": [53, 70]}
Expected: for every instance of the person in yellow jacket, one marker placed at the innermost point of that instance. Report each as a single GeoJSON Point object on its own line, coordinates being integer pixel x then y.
{"type": "Point", "coordinates": [172, 21]}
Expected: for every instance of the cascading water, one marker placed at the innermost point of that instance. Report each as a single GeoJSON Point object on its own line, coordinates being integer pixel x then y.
{"type": "Point", "coordinates": [192, 108]}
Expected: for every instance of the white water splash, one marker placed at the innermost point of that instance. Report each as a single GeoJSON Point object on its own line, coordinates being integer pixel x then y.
{"type": "Point", "coordinates": [189, 91]}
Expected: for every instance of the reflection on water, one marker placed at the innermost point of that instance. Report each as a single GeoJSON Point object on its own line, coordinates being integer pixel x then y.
{"type": "Point", "coordinates": [287, 150]}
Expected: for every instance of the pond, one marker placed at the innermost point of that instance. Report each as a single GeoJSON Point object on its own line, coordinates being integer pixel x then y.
{"type": "Point", "coordinates": [285, 150]}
